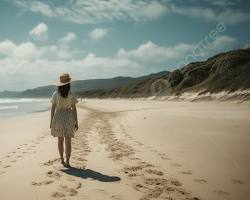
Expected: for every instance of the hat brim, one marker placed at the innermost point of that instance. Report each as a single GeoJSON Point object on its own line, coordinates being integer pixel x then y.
{"type": "Point", "coordinates": [62, 84]}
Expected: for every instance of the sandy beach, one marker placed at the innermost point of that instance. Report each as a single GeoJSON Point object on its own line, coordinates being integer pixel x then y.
{"type": "Point", "coordinates": [131, 149]}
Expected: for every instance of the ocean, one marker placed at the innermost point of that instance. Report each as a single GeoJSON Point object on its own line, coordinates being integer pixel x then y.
{"type": "Point", "coordinates": [10, 107]}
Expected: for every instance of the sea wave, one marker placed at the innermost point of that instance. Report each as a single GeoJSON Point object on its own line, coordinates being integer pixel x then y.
{"type": "Point", "coordinates": [15, 107]}
{"type": "Point", "coordinates": [22, 100]}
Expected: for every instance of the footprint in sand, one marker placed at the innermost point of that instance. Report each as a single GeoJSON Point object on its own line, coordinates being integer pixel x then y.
{"type": "Point", "coordinates": [6, 166]}
{"type": "Point", "coordinates": [51, 162]}
{"type": "Point", "coordinates": [20, 156]}
{"type": "Point", "coordinates": [116, 197]}
{"type": "Point", "coordinates": [132, 158]}
{"type": "Point", "coordinates": [46, 182]}
{"type": "Point", "coordinates": [13, 161]}
{"type": "Point", "coordinates": [237, 181]}
{"type": "Point", "coordinates": [200, 180]}
{"type": "Point", "coordinates": [53, 174]}
{"type": "Point", "coordinates": [133, 168]}
{"type": "Point", "coordinates": [69, 191]}
{"type": "Point", "coordinates": [155, 172]}
{"type": "Point", "coordinates": [81, 159]}
{"type": "Point", "coordinates": [78, 186]}
{"type": "Point", "coordinates": [155, 187]}
{"type": "Point", "coordinates": [221, 192]}
{"type": "Point", "coordinates": [188, 172]}
{"type": "Point", "coordinates": [176, 182]}
{"type": "Point", "coordinates": [140, 143]}
{"type": "Point", "coordinates": [165, 158]}
{"type": "Point", "coordinates": [57, 195]}
{"type": "Point", "coordinates": [138, 187]}
{"type": "Point", "coordinates": [175, 165]}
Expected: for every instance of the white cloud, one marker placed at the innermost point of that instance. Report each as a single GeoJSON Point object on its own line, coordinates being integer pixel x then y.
{"type": "Point", "coordinates": [222, 42]}
{"type": "Point", "coordinates": [154, 10]}
{"type": "Point", "coordinates": [98, 33]}
{"type": "Point", "coordinates": [228, 16]}
{"type": "Point", "coordinates": [40, 31]}
{"type": "Point", "coordinates": [36, 6]}
{"type": "Point", "coordinates": [95, 11]}
{"type": "Point", "coordinates": [7, 47]}
{"type": "Point", "coordinates": [68, 37]}
{"type": "Point", "coordinates": [150, 52]}
{"type": "Point", "coordinates": [27, 65]}
{"type": "Point", "coordinates": [219, 44]}
{"type": "Point", "coordinates": [29, 51]}
{"type": "Point", "coordinates": [26, 51]}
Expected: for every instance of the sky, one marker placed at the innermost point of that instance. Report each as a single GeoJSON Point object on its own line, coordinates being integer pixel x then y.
{"type": "Point", "coordinates": [41, 39]}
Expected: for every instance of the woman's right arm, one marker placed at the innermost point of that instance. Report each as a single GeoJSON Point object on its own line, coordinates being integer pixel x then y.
{"type": "Point", "coordinates": [53, 108]}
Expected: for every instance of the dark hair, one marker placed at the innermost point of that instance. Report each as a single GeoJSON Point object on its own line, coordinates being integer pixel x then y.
{"type": "Point", "coordinates": [64, 90]}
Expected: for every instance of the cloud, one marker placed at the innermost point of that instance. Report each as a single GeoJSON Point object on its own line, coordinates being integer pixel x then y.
{"type": "Point", "coordinates": [228, 15]}
{"type": "Point", "coordinates": [40, 31]}
{"type": "Point", "coordinates": [95, 11]}
{"type": "Point", "coordinates": [26, 51]}
{"type": "Point", "coordinates": [207, 48]}
{"type": "Point", "coordinates": [7, 47]}
{"type": "Point", "coordinates": [154, 10]}
{"type": "Point", "coordinates": [222, 41]}
{"type": "Point", "coordinates": [68, 37]}
{"type": "Point", "coordinates": [98, 33]}
{"type": "Point", "coordinates": [29, 51]}
{"type": "Point", "coordinates": [27, 65]}
{"type": "Point", "coordinates": [152, 53]}
{"type": "Point", "coordinates": [223, 2]}
{"type": "Point", "coordinates": [36, 7]}
{"type": "Point", "coordinates": [149, 53]}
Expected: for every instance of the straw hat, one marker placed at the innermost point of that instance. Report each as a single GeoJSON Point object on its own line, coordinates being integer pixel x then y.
{"type": "Point", "coordinates": [64, 80]}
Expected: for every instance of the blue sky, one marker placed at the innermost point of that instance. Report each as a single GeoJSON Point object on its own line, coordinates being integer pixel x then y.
{"type": "Point", "coordinates": [39, 40]}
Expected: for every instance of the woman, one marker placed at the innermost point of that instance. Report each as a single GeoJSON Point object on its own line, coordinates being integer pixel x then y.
{"type": "Point", "coordinates": [63, 121]}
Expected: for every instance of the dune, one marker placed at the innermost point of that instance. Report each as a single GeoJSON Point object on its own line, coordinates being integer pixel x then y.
{"type": "Point", "coordinates": [132, 149]}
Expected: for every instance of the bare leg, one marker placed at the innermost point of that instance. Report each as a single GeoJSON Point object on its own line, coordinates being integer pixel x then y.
{"type": "Point", "coordinates": [68, 149]}
{"type": "Point", "coordinates": [60, 148]}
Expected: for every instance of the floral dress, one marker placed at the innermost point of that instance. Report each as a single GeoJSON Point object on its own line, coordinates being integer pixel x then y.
{"type": "Point", "coordinates": [63, 122]}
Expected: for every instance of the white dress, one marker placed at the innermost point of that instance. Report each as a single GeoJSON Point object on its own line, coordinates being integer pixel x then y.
{"type": "Point", "coordinates": [63, 122]}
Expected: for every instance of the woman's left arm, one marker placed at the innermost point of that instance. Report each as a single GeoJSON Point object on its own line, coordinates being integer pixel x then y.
{"type": "Point", "coordinates": [75, 115]}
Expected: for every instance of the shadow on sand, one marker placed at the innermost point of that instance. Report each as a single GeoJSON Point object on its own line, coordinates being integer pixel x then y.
{"type": "Point", "coordinates": [88, 173]}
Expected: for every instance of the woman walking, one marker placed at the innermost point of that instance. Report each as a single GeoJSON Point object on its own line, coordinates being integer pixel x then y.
{"type": "Point", "coordinates": [63, 121]}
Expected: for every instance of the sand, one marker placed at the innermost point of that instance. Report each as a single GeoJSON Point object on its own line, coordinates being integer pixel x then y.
{"type": "Point", "coordinates": [132, 149]}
